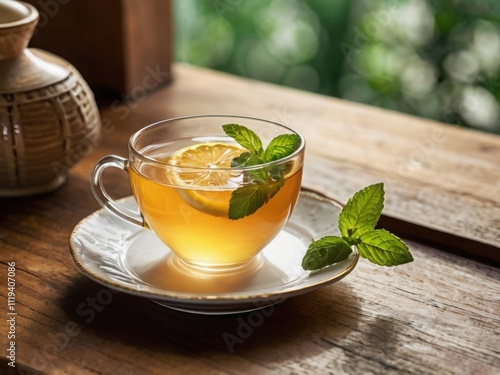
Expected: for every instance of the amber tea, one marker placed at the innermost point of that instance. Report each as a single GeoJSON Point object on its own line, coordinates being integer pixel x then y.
{"type": "Point", "coordinates": [215, 198]}
{"type": "Point", "coordinates": [193, 219]}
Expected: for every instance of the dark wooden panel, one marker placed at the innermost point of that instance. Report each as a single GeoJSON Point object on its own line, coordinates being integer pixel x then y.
{"type": "Point", "coordinates": [115, 44]}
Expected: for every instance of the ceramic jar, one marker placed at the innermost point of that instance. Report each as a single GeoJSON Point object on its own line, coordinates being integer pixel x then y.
{"type": "Point", "coordinates": [48, 116]}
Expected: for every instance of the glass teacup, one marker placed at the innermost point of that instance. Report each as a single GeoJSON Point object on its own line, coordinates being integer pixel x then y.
{"type": "Point", "coordinates": [181, 177]}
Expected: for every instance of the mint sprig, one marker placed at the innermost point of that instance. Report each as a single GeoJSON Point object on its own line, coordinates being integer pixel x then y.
{"type": "Point", "coordinates": [260, 184]}
{"type": "Point", "coordinates": [245, 137]}
{"type": "Point", "coordinates": [361, 213]}
{"type": "Point", "coordinates": [325, 251]}
{"type": "Point", "coordinates": [249, 198]}
{"type": "Point", "coordinates": [357, 222]}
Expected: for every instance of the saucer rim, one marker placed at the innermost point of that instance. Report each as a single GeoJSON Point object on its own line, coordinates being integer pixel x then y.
{"type": "Point", "coordinates": [183, 298]}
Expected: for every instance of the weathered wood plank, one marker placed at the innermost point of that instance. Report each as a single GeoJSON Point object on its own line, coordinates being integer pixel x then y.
{"type": "Point", "coordinates": [437, 315]}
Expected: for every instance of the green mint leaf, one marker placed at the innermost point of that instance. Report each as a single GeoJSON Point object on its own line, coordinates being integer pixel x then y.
{"type": "Point", "coordinates": [249, 198]}
{"type": "Point", "coordinates": [245, 137]}
{"type": "Point", "coordinates": [357, 221]}
{"type": "Point", "coordinates": [362, 211]}
{"type": "Point", "coordinates": [259, 185]}
{"type": "Point", "coordinates": [324, 252]}
{"type": "Point", "coordinates": [383, 248]}
{"type": "Point", "coordinates": [281, 146]}
{"type": "Point", "coordinates": [246, 159]}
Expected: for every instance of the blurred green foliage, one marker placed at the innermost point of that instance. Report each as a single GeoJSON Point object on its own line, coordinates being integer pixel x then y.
{"type": "Point", "coordinates": [438, 59]}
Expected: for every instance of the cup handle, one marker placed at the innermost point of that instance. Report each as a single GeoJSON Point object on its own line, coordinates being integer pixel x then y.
{"type": "Point", "coordinates": [103, 197]}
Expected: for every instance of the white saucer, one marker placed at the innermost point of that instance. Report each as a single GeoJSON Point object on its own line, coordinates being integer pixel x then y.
{"type": "Point", "coordinates": [133, 260]}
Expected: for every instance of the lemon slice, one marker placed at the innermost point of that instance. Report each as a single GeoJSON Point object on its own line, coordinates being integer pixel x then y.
{"type": "Point", "coordinates": [194, 183]}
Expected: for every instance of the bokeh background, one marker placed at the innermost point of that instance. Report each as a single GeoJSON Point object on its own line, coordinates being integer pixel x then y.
{"type": "Point", "coordinates": [438, 59]}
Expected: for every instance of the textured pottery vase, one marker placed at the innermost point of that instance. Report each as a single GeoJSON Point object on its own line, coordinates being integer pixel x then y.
{"type": "Point", "coordinates": [48, 116]}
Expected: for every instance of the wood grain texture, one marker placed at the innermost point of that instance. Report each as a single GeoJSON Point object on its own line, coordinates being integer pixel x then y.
{"type": "Point", "coordinates": [437, 315]}
{"type": "Point", "coordinates": [148, 45]}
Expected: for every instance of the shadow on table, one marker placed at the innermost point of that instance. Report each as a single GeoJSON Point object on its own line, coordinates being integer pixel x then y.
{"type": "Point", "coordinates": [300, 327]}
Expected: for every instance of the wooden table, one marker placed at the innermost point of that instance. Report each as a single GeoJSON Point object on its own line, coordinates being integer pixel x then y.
{"type": "Point", "coordinates": [437, 315]}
